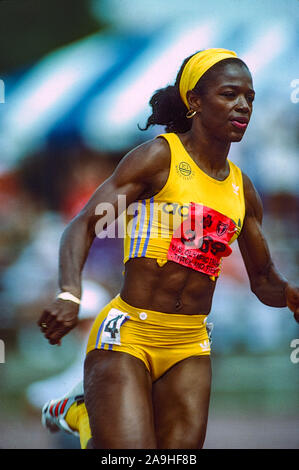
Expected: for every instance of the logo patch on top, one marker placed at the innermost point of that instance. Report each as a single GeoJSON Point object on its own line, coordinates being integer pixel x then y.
{"type": "Point", "coordinates": [235, 189]}
{"type": "Point", "coordinates": [184, 170]}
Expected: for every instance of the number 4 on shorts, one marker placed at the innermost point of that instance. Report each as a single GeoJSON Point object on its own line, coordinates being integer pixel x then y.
{"type": "Point", "coordinates": [111, 327]}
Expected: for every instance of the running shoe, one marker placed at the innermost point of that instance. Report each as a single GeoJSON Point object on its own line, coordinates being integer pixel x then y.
{"type": "Point", "coordinates": [54, 411]}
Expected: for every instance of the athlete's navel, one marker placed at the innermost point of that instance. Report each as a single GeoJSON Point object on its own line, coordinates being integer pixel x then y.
{"type": "Point", "coordinates": [178, 304]}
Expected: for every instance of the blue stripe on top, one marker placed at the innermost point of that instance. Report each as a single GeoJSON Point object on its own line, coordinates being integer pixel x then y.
{"type": "Point", "coordinates": [143, 207]}
{"type": "Point", "coordinates": [149, 226]}
{"type": "Point", "coordinates": [133, 232]}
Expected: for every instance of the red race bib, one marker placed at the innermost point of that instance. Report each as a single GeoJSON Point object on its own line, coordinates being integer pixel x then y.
{"type": "Point", "coordinates": [202, 240]}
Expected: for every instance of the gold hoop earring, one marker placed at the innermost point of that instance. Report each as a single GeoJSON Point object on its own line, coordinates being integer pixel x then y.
{"type": "Point", "coordinates": [190, 114]}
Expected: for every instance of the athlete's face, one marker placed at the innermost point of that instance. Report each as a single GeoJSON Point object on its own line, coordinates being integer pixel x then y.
{"type": "Point", "coordinates": [226, 105]}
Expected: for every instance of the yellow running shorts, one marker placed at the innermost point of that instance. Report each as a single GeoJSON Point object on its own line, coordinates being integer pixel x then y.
{"type": "Point", "coordinates": [160, 340]}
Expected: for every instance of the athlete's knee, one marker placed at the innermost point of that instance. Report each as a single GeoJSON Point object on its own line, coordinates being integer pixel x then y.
{"type": "Point", "coordinates": [117, 437]}
{"type": "Point", "coordinates": [197, 434]}
{"type": "Point", "coordinates": [193, 441]}
{"type": "Point", "coordinates": [182, 436]}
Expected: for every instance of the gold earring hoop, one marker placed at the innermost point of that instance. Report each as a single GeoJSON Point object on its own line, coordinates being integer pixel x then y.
{"type": "Point", "coordinates": [190, 114]}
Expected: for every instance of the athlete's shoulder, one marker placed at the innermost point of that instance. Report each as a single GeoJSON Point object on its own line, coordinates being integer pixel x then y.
{"type": "Point", "coordinates": [154, 148]}
{"type": "Point", "coordinates": [152, 155]}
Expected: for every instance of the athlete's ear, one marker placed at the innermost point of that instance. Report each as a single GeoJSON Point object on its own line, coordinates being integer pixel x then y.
{"type": "Point", "coordinates": [194, 101]}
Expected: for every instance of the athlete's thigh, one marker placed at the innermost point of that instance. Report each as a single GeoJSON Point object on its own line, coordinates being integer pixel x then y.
{"type": "Point", "coordinates": [181, 404]}
{"type": "Point", "coordinates": [117, 391]}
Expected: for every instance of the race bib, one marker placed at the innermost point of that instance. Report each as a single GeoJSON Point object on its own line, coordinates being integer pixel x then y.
{"type": "Point", "coordinates": [111, 327]}
{"type": "Point", "coordinates": [202, 240]}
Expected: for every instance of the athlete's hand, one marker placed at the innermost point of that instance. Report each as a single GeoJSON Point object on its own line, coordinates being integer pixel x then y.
{"type": "Point", "coordinates": [292, 298]}
{"type": "Point", "coordinates": [58, 319]}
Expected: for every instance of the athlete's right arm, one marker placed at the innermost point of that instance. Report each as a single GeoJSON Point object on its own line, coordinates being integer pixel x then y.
{"type": "Point", "coordinates": [141, 173]}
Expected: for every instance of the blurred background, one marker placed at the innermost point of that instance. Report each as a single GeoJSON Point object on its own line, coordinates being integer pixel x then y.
{"type": "Point", "coordinates": [76, 78]}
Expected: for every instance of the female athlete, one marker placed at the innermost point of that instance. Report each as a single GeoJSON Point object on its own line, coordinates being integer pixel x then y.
{"type": "Point", "coordinates": [147, 372]}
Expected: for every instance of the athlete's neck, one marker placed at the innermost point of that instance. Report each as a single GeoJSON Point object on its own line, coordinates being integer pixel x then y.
{"type": "Point", "coordinates": [209, 153]}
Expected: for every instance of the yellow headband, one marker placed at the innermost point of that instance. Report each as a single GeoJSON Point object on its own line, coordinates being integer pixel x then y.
{"type": "Point", "coordinates": [198, 65]}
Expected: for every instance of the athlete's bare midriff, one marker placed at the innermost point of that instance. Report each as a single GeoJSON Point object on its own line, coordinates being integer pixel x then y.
{"type": "Point", "coordinates": [170, 289]}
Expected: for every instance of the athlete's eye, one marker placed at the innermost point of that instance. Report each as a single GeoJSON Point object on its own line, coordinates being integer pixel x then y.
{"type": "Point", "coordinates": [228, 93]}
{"type": "Point", "coordinates": [250, 98]}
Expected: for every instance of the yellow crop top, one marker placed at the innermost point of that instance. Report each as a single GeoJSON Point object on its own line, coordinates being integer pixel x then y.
{"type": "Point", "coordinates": [191, 221]}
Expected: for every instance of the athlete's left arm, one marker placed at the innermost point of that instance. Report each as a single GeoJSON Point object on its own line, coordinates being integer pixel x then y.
{"type": "Point", "coordinates": [266, 282]}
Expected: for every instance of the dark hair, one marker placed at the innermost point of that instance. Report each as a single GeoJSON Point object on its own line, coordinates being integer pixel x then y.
{"type": "Point", "coordinates": [168, 108]}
